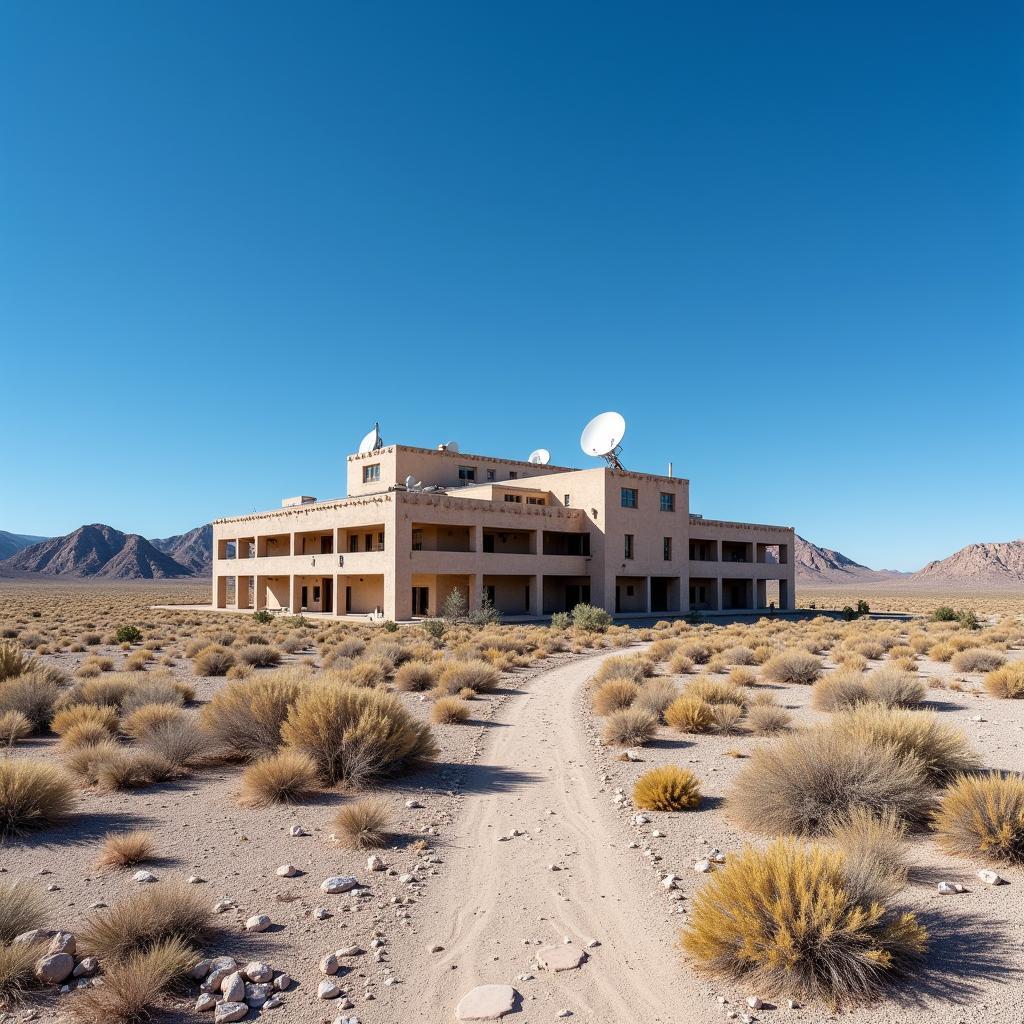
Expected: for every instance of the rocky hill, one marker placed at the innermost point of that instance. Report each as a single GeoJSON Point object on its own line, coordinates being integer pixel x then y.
{"type": "Point", "coordinates": [12, 543]}
{"type": "Point", "coordinates": [97, 551]}
{"type": "Point", "coordinates": [192, 550]}
{"type": "Point", "coordinates": [1000, 564]}
{"type": "Point", "coordinates": [816, 566]}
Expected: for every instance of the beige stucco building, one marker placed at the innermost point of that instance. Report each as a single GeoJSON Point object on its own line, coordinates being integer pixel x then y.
{"type": "Point", "coordinates": [535, 538]}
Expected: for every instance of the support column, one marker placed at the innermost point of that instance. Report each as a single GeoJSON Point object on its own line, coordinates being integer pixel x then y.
{"type": "Point", "coordinates": [398, 564]}
{"type": "Point", "coordinates": [261, 593]}
{"type": "Point", "coordinates": [717, 606]}
{"type": "Point", "coordinates": [476, 589]}
{"type": "Point", "coordinates": [295, 592]}
{"type": "Point", "coordinates": [647, 594]}
{"type": "Point", "coordinates": [477, 538]}
{"type": "Point", "coordinates": [537, 594]}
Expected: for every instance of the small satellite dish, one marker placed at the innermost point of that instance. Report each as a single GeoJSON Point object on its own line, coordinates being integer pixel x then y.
{"type": "Point", "coordinates": [371, 441]}
{"type": "Point", "coordinates": [410, 481]}
{"type": "Point", "coordinates": [452, 446]}
{"type": "Point", "coordinates": [602, 437]}
{"type": "Point", "coordinates": [540, 457]}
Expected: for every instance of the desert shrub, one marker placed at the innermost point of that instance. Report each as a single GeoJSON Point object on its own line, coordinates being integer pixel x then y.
{"type": "Point", "coordinates": [84, 734]}
{"type": "Point", "coordinates": [623, 666]}
{"type": "Point", "coordinates": [34, 693]}
{"type": "Point", "coordinates": [629, 727]}
{"type": "Point", "coordinates": [804, 783]}
{"type": "Point", "coordinates": [390, 651]}
{"type": "Point", "coordinates": [106, 692]}
{"type": "Point", "coordinates": [874, 848]}
{"type": "Point", "coordinates": [128, 635]}
{"type": "Point", "coordinates": [977, 659]}
{"type": "Point", "coordinates": [449, 710]}
{"type": "Point", "coordinates": [140, 722]}
{"type": "Point", "coordinates": [22, 908]}
{"type": "Point", "coordinates": [369, 671]}
{"type": "Point", "coordinates": [613, 695]}
{"type": "Point", "coordinates": [14, 726]}
{"type": "Point", "coordinates": [725, 718]}
{"type": "Point", "coordinates": [942, 750]}
{"type": "Point", "coordinates": [260, 655]}
{"type": "Point", "coordinates": [793, 666]}
{"type": "Point", "coordinates": [589, 619]}
{"type": "Point", "coordinates": [33, 795]}
{"type": "Point", "coordinates": [170, 909]}
{"type": "Point", "coordinates": [263, 617]}
{"type": "Point", "coordinates": [689, 714]}
{"type": "Point", "coordinates": [177, 742]}
{"type": "Point", "coordinates": [656, 694]}
{"type": "Point", "coordinates": [662, 650]}
{"type": "Point", "coordinates": [162, 690]}
{"type": "Point", "coordinates": [99, 714]}
{"type": "Point", "coordinates": [968, 620]}
{"type": "Point", "coordinates": [715, 691]}
{"type": "Point", "coordinates": [561, 620]}
{"type": "Point", "coordinates": [1006, 682]}
{"type": "Point", "coordinates": [894, 687]}
{"type": "Point", "coordinates": [17, 972]}
{"type": "Point", "coordinates": [363, 825]}
{"type": "Point", "coordinates": [697, 651]}
{"type": "Point", "coordinates": [742, 676]}
{"type": "Point", "coordinates": [667, 788]}
{"type": "Point", "coordinates": [680, 664]}
{"type": "Point", "coordinates": [285, 777]}
{"type": "Point", "coordinates": [943, 614]}
{"type": "Point", "coordinates": [13, 660]}
{"type": "Point", "coordinates": [767, 719]}
{"type": "Point", "coordinates": [131, 769]}
{"type": "Point", "coordinates": [246, 716]}
{"type": "Point", "coordinates": [136, 661]}
{"type": "Point", "coordinates": [477, 675]}
{"type": "Point", "coordinates": [354, 733]}
{"type": "Point", "coordinates": [415, 676]}
{"type": "Point", "coordinates": [739, 655]}
{"type": "Point", "coordinates": [787, 919]}
{"type": "Point", "coordinates": [844, 688]}
{"type": "Point", "coordinates": [871, 650]}
{"type": "Point", "coordinates": [983, 815]}
{"type": "Point", "coordinates": [942, 651]}
{"type": "Point", "coordinates": [126, 849]}
{"type": "Point", "coordinates": [213, 661]}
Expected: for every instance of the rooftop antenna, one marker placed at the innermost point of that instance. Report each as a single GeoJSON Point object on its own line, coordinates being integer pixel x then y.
{"type": "Point", "coordinates": [602, 438]}
{"type": "Point", "coordinates": [540, 457]}
{"type": "Point", "coordinates": [371, 441]}
{"type": "Point", "coordinates": [449, 446]}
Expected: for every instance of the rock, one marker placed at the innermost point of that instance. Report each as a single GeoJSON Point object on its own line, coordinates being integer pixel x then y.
{"type": "Point", "coordinates": [257, 995]}
{"type": "Point", "coordinates": [413, 804]}
{"type": "Point", "coordinates": [349, 951]}
{"type": "Point", "coordinates": [258, 972]}
{"type": "Point", "coordinates": [375, 863]}
{"type": "Point", "coordinates": [86, 968]}
{"type": "Point", "coordinates": [223, 906]}
{"type": "Point", "coordinates": [36, 935]}
{"type": "Point", "coordinates": [329, 964]}
{"type": "Point", "coordinates": [62, 942]}
{"type": "Point", "coordinates": [257, 923]}
{"type": "Point", "coordinates": [716, 857]}
{"type": "Point", "coordinates": [296, 831]}
{"type": "Point", "coordinates": [435, 948]}
{"type": "Point", "coordinates": [755, 1003]}
{"type": "Point", "coordinates": [282, 981]}
{"type": "Point", "coordinates": [560, 958]}
{"type": "Point", "coordinates": [273, 1003]}
{"type": "Point", "coordinates": [702, 866]}
{"type": "Point", "coordinates": [640, 819]}
{"type": "Point", "coordinates": [632, 755]}
{"type": "Point", "coordinates": [327, 989]}
{"type": "Point", "coordinates": [196, 880]}
{"type": "Point", "coordinates": [669, 881]}
{"type": "Point", "coordinates": [564, 1013]}
{"type": "Point", "coordinates": [949, 888]}
{"type": "Point", "coordinates": [229, 1011]}
{"type": "Point", "coordinates": [287, 871]}
{"type": "Point", "coordinates": [321, 914]}
{"type": "Point", "coordinates": [143, 876]}
{"type": "Point", "coordinates": [486, 1002]}
{"type": "Point", "coordinates": [206, 1001]}
{"type": "Point", "coordinates": [54, 968]}
{"type": "Point", "coordinates": [990, 877]}
{"type": "Point", "coordinates": [592, 943]}
{"type": "Point", "coordinates": [233, 987]}
{"type": "Point", "coordinates": [339, 883]}
{"type": "Point", "coordinates": [201, 969]}
{"type": "Point", "coordinates": [345, 1003]}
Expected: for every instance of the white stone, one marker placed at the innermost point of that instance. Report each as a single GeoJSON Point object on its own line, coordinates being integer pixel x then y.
{"type": "Point", "coordinates": [86, 968]}
{"type": "Point", "coordinates": [560, 958]}
{"type": "Point", "coordinates": [486, 1002]}
{"type": "Point", "coordinates": [223, 906]}
{"type": "Point", "coordinates": [990, 877]}
{"type": "Point", "coordinates": [716, 857]}
{"type": "Point", "coordinates": [144, 876]}
{"type": "Point", "coordinates": [375, 863]}
{"type": "Point", "coordinates": [669, 881]}
{"type": "Point", "coordinates": [287, 871]}
{"type": "Point", "coordinates": [329, 964]}
{"type": "Point", "coordinates": [702, 866]}
{"type": "Point", "coordinates": [205, 1002]}
{"type": "Point", "coordinates": [256, 995]}
{"type": "Point", "coordinates": [949, 888]}
{"type": "Point", "coordinates": [195, 880]}
{"type": "Point", "coordinates": [257, 923]}
{"type": "Point", "coordinates": [258, 972]}
{"type": "Point", "coordinates": [350, 951]}
{"type": "Point", "coordinates": [413, 804]}
{"type": "Point", "coordinates": [62, 942]}
{"type": "Point", "coordinates": [327, 989]}
{"type": "Point", "coordinates": [55, 968]}
{"type": "Point", "coordinates": [754, 1002]}
{"type": "Point", "coordinates": [297, 830]}
{"type": "Point", "coordinates": [339, 883]}
{"type": "Point", "coordinates": [229, 1011]}
{"type": "Point", "coordinates": [282, 981]}
{"type": "Point", "coordinates": [233, 987]}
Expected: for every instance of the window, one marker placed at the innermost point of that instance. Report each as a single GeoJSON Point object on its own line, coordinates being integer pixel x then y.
{"type": "Point", "coordinates": [380, 541]}
{"type": "Point", "coordinates": [353, 542]}
{"type": "Point", "coordinates": [371, 474]}
{"type": "Point", "coordinates": [535, 501]}
{"type": "Point", "coordinates": [667, 548]}
{"type": "Point", "coordinates": [629, 497]}
{"type": "Point", "coordinates": [368, 542]}
{"type": "Point", "coordinates": [668, 502]}
{"type": "Point", "coordinates": [513, 475]}
{"type": "Point", "coordinates": [490, 474]}
{"type": "Point", "coordinates": [467, 473]}
{"type": "Point", "coordinates": [567, 502]}
{"type": "Point", "coordinates": [630, 590]}
{"type": "Point", "coordinates": [417, 540]}
{"type": "Point", "coordinates": [629, 546]}
{"type": "Point", "coordinates": [514, 497]}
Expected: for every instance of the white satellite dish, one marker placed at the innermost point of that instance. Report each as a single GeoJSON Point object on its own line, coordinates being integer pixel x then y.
{"type": "Point", "coordinates": [540, 457]}
{"type": "Point", "coordinates": [452, 446]}
{"type": "Point", "coordinates": [602, 437]}
{"type": "Point", "coordinates": [371, 441]}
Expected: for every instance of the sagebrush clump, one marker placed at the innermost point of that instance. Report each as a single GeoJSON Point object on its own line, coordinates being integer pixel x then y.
{"type": "Point", "coordinates": [983, 816]}
{"type": "Point", "coordinates": [33, 795]}
{"type": "Point", "coordinates": [667, 788]}
{"type": "Point", "coordinates": [363, 825]}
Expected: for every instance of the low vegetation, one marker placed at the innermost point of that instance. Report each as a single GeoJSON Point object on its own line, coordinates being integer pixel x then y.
{"type": "Point", "coordinates": [126, 850]}
{"type": "Point", "coordinates": [33, 795]}
{"type": "Point", "coordinates": [364, 824]}
{"type": "Point", "coordinates": [983, 816]}
{"type": "Point", "coordinates": [667, 788]}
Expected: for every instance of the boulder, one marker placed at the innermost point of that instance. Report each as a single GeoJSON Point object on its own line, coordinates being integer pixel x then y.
{"type": "Point", "coordinates": [225, 1012]}
{"type": "Point", "coordinates": [339, 883]}
{"type": "Point", "coordinates": [486, 1002]}
{"type": "Point", "coordinates": [55, 968]}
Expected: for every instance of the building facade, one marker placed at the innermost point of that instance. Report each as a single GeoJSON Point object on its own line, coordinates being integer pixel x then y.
{"type": "Point", "coordinates": [535, 539]}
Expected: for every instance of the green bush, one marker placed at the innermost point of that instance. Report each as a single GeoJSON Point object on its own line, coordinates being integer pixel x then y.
{"type": "Point", "coordinates": [968, 620]}
{"type": "Point", "coordinates": [435, 628]}
{"type": "Point", "coordinates": [561, 620]}
{"type": "Point", "coordinates": [590, 619]}
{"type": "Point", "coordinates": [262, 616]}
{"type": "Point", "coordinates": [453, 609]}
{"type": "Point", "coordinates": [389, 626]}
{"type": "Point", "coordinates": [486, 614]}
{"type": "Point", "coordinates": [943, 614]}
{"type": "Point", "coordinates": [128, 635]}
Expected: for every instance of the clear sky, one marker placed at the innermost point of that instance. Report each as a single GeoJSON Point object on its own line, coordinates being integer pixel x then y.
{"type": "Point", "coordinates": [784, 240]}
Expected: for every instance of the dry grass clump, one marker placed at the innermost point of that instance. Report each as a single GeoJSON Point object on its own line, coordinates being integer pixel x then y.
{"type": "Point", "coordinates": [160, 690]}
{"type": "Point", "coordinates": [789, 919]}
{"type": "Point", "coordinates": [178, 743]}
{"type": "Point", "coordinates": [793, 666]}
{"type": "Point", "coordinates": [739, 655]}
{"type": "Point", "coordinates": [977, 659]}
{"type": "Point", "coordinates": [259, 655]}
{"type": "Point", "coordinates": [126, 849]}
{"type": "Point", "coordinates": [17, 971]}
{"type": "Point", "coordinates": [633, 667]}
{"type": "Point", "coordinates": [477, 675]}
{"type": "Point", "coordinates": [983, 815]}
{"type": "Point", "coordinates": [246, 716]}
{"type": "Point", "coordinates": [22, 908]}
{"type": "Point", "coordinates": [680, 664]}
{"type": "Point", "coordinates": [353, 733]}
{"type": "Point", "coordinates": [725, 718]}
{"type": "Point", "coordinates": [14, 726]}
{"type": "Point", "coordinates": [667, 788]}
{"type": "Point", "coordinates": [34, 693]}
{"type": "Point", "coordinates": [213, 660]}
{"type": "Point", "coordinates": [894, 687]}
{"type": "Point", "coordinates": [613, 695]}
{"type": "Point", "coordinates": [942, 750]}
{"type": "Point", "coordinates": [363, 825]}
{"type": "Point", "coordinates": [132, 986]}
{"type": "Point", "coordinates": [804, 783]}
{"type": "Point", "coordinates": [143, 720]}
{"type": "Point", "coordinates": [656, 694]}
{"type": "Point", "coordinates": [689, 714]}
{"type": "Point", "coordinates": [449, 710]}
{"type": "Point", "coordinates": [716, 691]}
{"type": "Point", "coordinates": [844, 688]}
{"type": "Point", "coordinates": [1006, 682]}
{"type": "Point", "coordinates": [84, 734]}
{"type": "Point", "coordinates": [768, 719]}
{"type": "Point", "coordinates": [629, 727]}
{"type": "Point", "coordinates": [742, 676]}
{"type": "Point", "coordinates": [13, 660]}
{"type": "Point", "coordinates": [33, 795]}
{"type": "Point", "coordinates": [415, 676]}
{"type": "Point", "coordinates": [102, 715]}
{"type": "Point", "coordinates": [282, 778]}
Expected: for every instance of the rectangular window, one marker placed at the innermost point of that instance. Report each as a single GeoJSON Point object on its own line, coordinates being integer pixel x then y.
{"type": "Point", "coordinates": [417, 540]}
{"type": "Point", "coordinates": [380, 541]}
{"type": "Point", "coordinates": [567, 502]}
{"type": "Point", "coordinates": [667, 548]}
{"type": "Point", "coordinates": [467, 473]}
{"type": "Point", "coordinates": [513, 475]}
{"type": "Point", "coordinates": [490, 474]}
{"type": "Point", "coordinates": [668, 502]}
{"type": "Point", "coordinates": [535, 501]}
{"type": "Point", "coordinates": [514, 497]}
{"type": "Point", "coordinates": [353, 542]}
{"type": "Point", "coordinates": [368, 542]}
{"type": "Point", "coordinates": [629, 546]}
{"type": "Point", "coordinates": [371, 474]}
{"type": "Point", "coordinates": [629, 497]}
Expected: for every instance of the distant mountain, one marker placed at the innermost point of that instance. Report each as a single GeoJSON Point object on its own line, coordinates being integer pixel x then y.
{"type": "Point", "coordinates": [12, 543]}
{"type": "Point", "coordinates": [97, 551]}
{"type": "Point", "coordinates": [194, 549]}
{"type": "Point", "coordinates": [998, 564]}
{"type": "Point", "coordinates": [817, 565]}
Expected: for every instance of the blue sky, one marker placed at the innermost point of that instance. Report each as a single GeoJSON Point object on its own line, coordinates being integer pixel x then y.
{"type": "Point", "coordinates": [785, 241]}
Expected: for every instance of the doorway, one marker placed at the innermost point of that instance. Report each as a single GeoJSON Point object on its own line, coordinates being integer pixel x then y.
{"type": "Point", "coordinates": [420, 600]}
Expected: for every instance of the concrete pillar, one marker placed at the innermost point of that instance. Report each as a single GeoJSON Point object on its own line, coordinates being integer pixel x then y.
{"type": "Point", "coordinates": [476, 590]}
{"type": "Point", "coordinates": [537, 594]}
{"type": "Point", "coordinates": [295, 590]}
{"type": "Point", "coordinates": [398, 564]}
{"type": "Point", "coordinates": [716, 603]}
{"type": "Point", "coordinates": [261, 593]}
{"type": "Point", "coordinates": [476, 538]}
{"type": "Point", "coordinates": [647, 594]}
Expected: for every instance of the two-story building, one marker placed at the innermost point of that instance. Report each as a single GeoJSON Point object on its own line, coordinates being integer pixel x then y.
{"type": "Point", "coordinates": [535, 539]}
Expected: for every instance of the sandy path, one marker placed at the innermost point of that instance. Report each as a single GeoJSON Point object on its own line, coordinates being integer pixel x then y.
{"type": "Point", "coordinates": [535, 775]}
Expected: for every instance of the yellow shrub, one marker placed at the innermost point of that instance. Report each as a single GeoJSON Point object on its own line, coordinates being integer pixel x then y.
{"type": "Point", "coordinates": [668, 788]}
